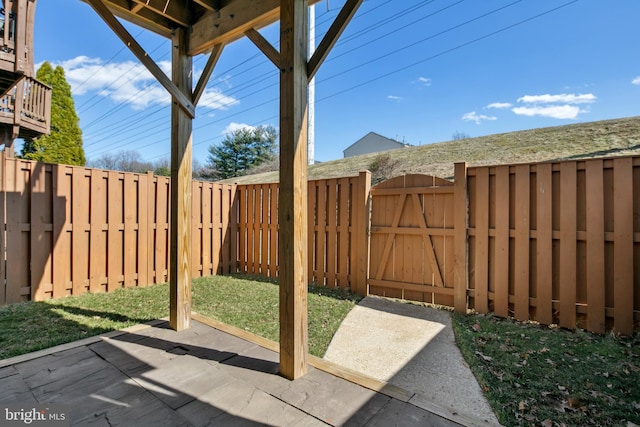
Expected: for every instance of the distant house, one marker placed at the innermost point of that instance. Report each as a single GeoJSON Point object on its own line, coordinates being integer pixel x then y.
{"type": "Point", "coordinates": [372, 143]}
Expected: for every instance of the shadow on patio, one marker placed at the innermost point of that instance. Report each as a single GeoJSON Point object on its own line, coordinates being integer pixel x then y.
{"type": "Point", "coordinates": [200, 376]}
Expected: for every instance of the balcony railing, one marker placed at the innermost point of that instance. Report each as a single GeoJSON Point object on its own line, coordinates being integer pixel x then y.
{"type": "Point", "coordinates": [28, 105]}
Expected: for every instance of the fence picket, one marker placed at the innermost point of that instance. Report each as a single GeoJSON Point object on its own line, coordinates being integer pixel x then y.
{"type": "Point", "coordinates": [130, 197]}
{"type": "Point", "coordinates": [481, 271]}
{"type": "Point", "coordinates": [501, 259]}
{"type": "Point", "coordinates": [344, 237]}
{"type": "Point", "coordinates": [544, 244]}
{"type": "Point", "coordinates": [595, 264]}
{"type": "Point", "coordinates": [568, 238]}
{"type": "Point", "coordinates": [548, 242]}
{"type": "Point", "coordinates": [332, 232]}
{"type": "Point", "coordinates": [41, 249]}
{"type": "Point", "coordinates": [97, 238]}
{"type": "Point", "coordinates": [62, 244]}
{"type": "Point", "coordinates": [521, 243]}
{"type": "Point", "coordinates": [623, 245]}
{"type": "Point", "coordinates": [114, 234]}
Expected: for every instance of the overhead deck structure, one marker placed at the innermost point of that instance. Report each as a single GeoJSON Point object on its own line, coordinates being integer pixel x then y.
{"type": "Point", "coordinates": [206, 26]}
{"type": "Point", "coordinates": [25, 103]}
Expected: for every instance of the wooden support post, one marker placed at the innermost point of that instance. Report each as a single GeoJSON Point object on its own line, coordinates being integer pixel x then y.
{"type": "Point", "coordinates": [293, 188]}
{"type": "Point", "coordinates": [6, 138]}
{"type": "Point", "coordinates": [460, 221]}
{"type": "Point", "coordinates": [181, 127]}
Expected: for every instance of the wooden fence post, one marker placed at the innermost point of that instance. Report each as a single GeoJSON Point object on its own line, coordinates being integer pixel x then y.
{"type": "Point", "coordinates": [461, 224]}
{"type": "Point", "coordinates": [362, 222]}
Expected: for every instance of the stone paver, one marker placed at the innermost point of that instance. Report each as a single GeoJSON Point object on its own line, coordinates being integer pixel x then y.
{"type": "Point", "coordinates": [199, 377]}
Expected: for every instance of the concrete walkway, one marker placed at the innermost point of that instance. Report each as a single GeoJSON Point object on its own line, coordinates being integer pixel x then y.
{"type": "Point", "coordinates": [203, 376]}
{"type": "Point", "coordinates": [412, 347]}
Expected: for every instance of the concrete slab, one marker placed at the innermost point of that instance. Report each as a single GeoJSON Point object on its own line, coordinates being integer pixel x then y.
{"type": "Point", "coordinates": [396, 413]}
{"type": "Point", "coordinates": [413, 347]}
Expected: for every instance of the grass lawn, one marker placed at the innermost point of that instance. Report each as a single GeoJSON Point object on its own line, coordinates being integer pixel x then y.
{"type": "Point", "coordinates": [531, 375]}
{"type": "Point", "coordinates": [534, 375]}
{"type": "Point", "coordinates": [244, 302]}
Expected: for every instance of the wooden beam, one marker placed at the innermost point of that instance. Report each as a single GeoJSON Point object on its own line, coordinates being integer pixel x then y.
{"type": "Point", "coordinates": [140, 16]}
{"type": "Point", "coordinates": [292, 212]}
{"type": "Point", "coordinates": [264, 45]}
{"type": "Point", "coordinates": [181, 128]}
{"type": "Point", "coordinates": [183, 98]}
{"type": "Point", "coordinates": [173, 11]}
{"type": "Point", "coordinates": [213, 5]}
{"type": "Point", "coordinates": [331, 37]}
{"type": "Point", "coordinates": [231, 21]}
{"type": "Point", "coordinates": [206, 73]}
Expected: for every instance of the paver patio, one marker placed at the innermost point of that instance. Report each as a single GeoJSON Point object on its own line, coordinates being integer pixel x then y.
{"type": "Point", "coordinates": [200, 376]}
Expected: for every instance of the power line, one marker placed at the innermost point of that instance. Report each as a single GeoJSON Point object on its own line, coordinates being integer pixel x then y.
{"type": "Point", "coordinates": [444, 52]}
{"type": "Point", "coordinates": [400, 69]}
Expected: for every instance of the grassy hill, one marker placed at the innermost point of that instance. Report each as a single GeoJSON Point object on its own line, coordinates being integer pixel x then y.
{"type": "Point", "coordinates": [617, 137]}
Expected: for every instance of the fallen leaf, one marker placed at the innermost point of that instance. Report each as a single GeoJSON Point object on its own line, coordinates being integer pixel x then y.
{"type": "Point", "coordinates": [573, 402]}
{"type": "Point", "coordinates": [522, 406]}
{"type": "Point", "coordinates": [476, 327]}
{"type": "Point", "coordinates": [547, 423]}
{"type": "Point", "coordinates": [485, 358]}
{"type": "Point", "coordinates": [561, 388]}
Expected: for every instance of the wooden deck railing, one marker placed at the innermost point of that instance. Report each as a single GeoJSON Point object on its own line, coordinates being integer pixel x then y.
{"type": "Point", "coordinates": [33, 113]}
{"type": "Point", "coordinates": [7, 35]}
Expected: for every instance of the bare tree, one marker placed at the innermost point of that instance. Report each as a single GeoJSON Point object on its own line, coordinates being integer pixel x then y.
{"type": "Point", "coordinates": [457, 135]}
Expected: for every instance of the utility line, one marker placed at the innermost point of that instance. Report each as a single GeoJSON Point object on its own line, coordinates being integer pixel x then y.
{"type": "Point", "coordinates": [403, 68]}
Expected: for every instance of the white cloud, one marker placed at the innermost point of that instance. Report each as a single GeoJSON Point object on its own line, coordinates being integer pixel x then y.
{"type": "Point", "coordinates": [130, 83]}
{"type": "Point", "coordinates": [232, 127]}
{"type": "Point", "coordinates": [563, 98]}
{"type": "Point", "coordinates": [499, 105]}
{"type": "Point", "coordinates": [425, 81]}
{"type": "Point", "coordinates": [554, 111]}
{"type": "Point", "coordinates": [473, 117]}
{"type": "Point", "coordinates": [393, 97]}
{"type": "Point", "coordinates": [559, 106]}
{"type": "Point", "coordinates": [636, 81]}
{"type": "Point", "coordinates": [215, 100]}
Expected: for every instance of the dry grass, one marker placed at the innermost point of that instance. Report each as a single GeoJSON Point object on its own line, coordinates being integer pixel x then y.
{"type": "Point", "coordinates": [595, 139]}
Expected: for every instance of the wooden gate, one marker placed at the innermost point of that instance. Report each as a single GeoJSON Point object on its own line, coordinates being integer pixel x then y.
{"type": "Point", "coordinates": [412, 239]}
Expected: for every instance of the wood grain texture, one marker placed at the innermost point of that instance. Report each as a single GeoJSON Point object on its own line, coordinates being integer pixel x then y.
{"type": "Point", "coordinates": [623, 282]}
{"type": "Point", "coordinates": [181, 147]}
{"type": "Point", "coordinates": [544, 244]}
{"type": "Point", "coordinates": [293, 188]}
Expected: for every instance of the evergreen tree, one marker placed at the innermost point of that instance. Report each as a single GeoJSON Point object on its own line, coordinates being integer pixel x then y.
{"type": "Point", "coordinates": [242, 150]}
{"type": "Point", "coordinates": [64, 144]}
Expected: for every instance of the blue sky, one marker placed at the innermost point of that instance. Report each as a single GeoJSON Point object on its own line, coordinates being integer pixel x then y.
{"type": "Point", "coordinates": [415, 71]}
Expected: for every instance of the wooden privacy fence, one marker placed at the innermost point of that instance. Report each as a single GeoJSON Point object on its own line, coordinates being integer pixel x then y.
{"type": "Point", "coordinates": [414, 235]}
{"type": "Point", "coordinates": [557, 242]}
{"type": "Point", "coordinates": [338, 214]}
{"type": "Point", "coordinates": [69, 230]}
{"type": "Point", "coordinates": [554, 242]}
